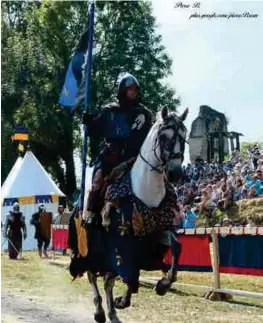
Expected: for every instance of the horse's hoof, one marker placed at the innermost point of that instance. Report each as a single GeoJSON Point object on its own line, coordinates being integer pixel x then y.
{"type": "Point", "coordinates": [100, 317]}
{"type": "Point", "coordinates": [162, 286]}
{"type": "Point", "coordinates": [122, 302]}
{"type": "Point", "coordinates": [114, 319]}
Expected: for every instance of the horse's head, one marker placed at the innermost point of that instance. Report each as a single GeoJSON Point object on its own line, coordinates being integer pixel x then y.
{"type": "Point", "coordinates": [170, 140]}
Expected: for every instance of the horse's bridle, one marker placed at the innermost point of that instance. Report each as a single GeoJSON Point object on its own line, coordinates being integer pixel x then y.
{"type": "Point", "coordinates": [160, 142]}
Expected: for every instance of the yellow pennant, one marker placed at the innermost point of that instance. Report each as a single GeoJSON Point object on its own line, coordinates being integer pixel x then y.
{"type": "Point", "coordinates": [21, 147]}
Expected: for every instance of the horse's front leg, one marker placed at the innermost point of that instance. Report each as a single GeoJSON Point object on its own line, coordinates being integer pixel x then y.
{"type": "Point", "coordinates": [109, 282]}
{"type": "Point", "coordinates": [124, 301]}
{"type": "Point", "coordinates": [99, 315]}
{"type": "Point", "coordinates": [165, 283]}
{"type": "Point", "coordinates": [176, 252]}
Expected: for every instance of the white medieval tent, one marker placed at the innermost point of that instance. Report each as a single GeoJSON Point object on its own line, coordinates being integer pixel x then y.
{"type": "Point", "coordinates": [29, 184]}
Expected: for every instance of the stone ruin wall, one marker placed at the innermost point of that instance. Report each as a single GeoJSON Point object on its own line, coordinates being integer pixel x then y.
{"type": "Point", "coordinates": [201, 126]}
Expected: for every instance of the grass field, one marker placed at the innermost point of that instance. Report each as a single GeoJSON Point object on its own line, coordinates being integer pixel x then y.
{"type": "Point", "coordinates": [36, 278]}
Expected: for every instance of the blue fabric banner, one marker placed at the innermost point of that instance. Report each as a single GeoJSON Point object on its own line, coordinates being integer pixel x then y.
{"type": "Point", "coordinates": [43, 199]}
{"type": "Point", "coordinates": [9, 201]}
{"type": "Point", "coordinates": [72, 89]}
{"type": "Point", "coordinates": [241, 254]}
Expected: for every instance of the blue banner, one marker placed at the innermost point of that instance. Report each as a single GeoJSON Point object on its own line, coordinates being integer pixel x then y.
{"type": "Point", "coordinates": [10, 201]}
{"type": "Point", "coordinates": [43, 199]}
{"type": "Point", "coordinates": [75, 74]}
{"type": "Point", "coordinates": [241, 254]}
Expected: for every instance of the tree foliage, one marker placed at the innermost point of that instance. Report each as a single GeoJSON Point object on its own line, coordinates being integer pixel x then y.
{"type": "Point", "coordinates": [247, 146]}
{"type": "Point", "coordinates": [38, 39]}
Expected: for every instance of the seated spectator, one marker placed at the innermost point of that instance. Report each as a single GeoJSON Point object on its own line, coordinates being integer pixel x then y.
{"type": "Point", "coordinates": [226, 196]}
{"type": "Point", "coordinates": [190, 218]}
{"type": "Point", "coordinates": [194, 188]}
{"type": "Point", "coordinates": [238, 167]}
{"type": "Point", "coordinates": [255, 185]}
{"type": "Point", "coordinates": [209, 190]}
{"type": "Point", "coordinates": [222, 191]}
{"type": "Point", "coordinates": [222, 182]}
{"type": "Point", "coordinates": [250, 222]}
{"type": "Point", "coordinates": [215, 194]}
{"type": "Point", "coordinates": [239, 189]}
{"type": "Point", "coordinates": [226, 222]}
{"type": "Point", "coordinates": [259, 176]}
{"type": "Point", "coordinates": [233, 179]}
{"type": "Point", "coordinates": [252, 192]}
{"type": "Point", "coordinates": [197, 199]}
{"type": "Point", "coordinates": [206, 205]}
{"type": "Point", "coordinates": [247, 178]}
{"type": "Point", "coordinates": [231, 191]}
{"type": "Point", "coordinates": [260, 165]}
{"type": "Point", "coordinates": [244, 193]}
{"type": "Point", "coordinates": [200, 189]}
{"type": "Point", "coordinates": [245, 170]}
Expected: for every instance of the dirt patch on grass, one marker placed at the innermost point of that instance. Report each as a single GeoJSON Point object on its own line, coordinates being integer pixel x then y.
{"type": "Point", "coordinates": [44, 294]}
{"type": "Point", "coordinates": [24, 308]}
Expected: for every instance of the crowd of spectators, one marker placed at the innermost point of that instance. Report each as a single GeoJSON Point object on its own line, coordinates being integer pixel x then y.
{"type": "Point", "coordinates": [206, 187]}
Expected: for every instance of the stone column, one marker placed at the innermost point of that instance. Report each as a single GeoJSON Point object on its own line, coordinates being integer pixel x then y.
{"type": "Point", "coordinates": [237, 142]}
{"type": "Point", "coordinates": [208, 157]}
{"type": "Point", "coordinates": [232, 143]}
{"type": "Point", "coordinates": [212, 146]}
{"type": "Point", "coordinates": [221, 147]}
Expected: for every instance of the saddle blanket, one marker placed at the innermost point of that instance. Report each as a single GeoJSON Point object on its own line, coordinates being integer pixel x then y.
{"type": "Point", "coordinates": [142, 220]}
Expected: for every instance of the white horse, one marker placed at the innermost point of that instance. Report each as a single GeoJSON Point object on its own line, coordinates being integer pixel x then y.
{"type": "Point", "coordinates": [160, 158]}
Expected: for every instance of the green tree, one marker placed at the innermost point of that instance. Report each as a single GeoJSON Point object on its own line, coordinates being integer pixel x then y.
{"type": "Point", "coordinates": [38, 39]}
{"type": "Point", "coordinates": [246, 147]}
{"type": "Point", "coordinates": [34, 62]}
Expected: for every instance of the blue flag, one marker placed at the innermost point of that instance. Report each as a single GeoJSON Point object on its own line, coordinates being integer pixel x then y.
{"type": "Point", "coordinates": [70, 96]}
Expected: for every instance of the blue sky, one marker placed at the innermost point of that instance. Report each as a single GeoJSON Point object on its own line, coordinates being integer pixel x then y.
{"type": "Point", "coordinates": [217, 62]}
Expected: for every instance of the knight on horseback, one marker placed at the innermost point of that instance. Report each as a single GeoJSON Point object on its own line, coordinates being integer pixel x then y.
{"type": "Point", "coordinates": [124, 125]}
{"type": "Point", "coordinates": [144, 202]}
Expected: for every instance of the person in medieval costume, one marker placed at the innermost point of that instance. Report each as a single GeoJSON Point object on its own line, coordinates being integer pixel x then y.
{"type": "Point", "coordinates": [124, 126]}
{"type": "Point", "coordinates": [58, 217]}
{"type": "Point", "coordinates": [42, 242]}
{"type": "Point", "coordinates": [14, 225]}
